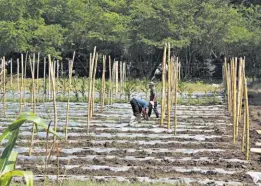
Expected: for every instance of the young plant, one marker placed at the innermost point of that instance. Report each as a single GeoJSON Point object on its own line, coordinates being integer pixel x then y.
{"type": "Point", "coordinates": [8, 157]}
{"type": "Point", "coordinates": [129, 89]}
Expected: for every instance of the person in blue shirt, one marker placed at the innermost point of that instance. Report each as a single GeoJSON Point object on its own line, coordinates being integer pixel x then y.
{"type": "Point", "coordinates": [139, 106]}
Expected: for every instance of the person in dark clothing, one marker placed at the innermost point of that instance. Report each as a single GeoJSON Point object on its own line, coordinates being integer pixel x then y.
{"type": "Point", "coordinates": [153, 100]}
{"type": "Point", "coordinates": [139, 106]}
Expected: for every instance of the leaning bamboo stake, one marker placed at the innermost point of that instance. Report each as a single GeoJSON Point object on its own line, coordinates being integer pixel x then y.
{"type": "Point", "coordinates": [242, 88]}
{"type": "Point", "coordinates": [163, 86]}
{"type": "Point", "coordinates": [53, 94]}
{"type": "Point", "coordinates": [93, 84]}
{"type": "Point", "coordinates": [243, 143]}
{"type": "Point", "coordinates": [32, 101]}
{"type": "Point", "coordinates": [91, 64]}
{"type": "Point", "coordinates": [68, 101]}
{"type": "Point", "coordinates": [247, 122]}
{"type": "Point", "coordinates": [239, 98]}
{"type": "Point", "coordinates": [103, 83]}
{"type": "Point", "coordinates": [90, 90]}
{"type": "Point", "coordinates": [4, 87]}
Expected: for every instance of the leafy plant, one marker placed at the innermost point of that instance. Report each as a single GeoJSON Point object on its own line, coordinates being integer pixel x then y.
{"type": "Point", "coordinates": [75, 89]}
{"type": "Point", "coordinates": [83, 88]}
{"type": "Point", "coordinates": [8, 157]}
{"type": "Point", "coordinates": [129, 89]}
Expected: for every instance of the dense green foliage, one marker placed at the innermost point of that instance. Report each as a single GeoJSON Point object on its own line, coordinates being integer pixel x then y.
{"type": "Point", "coordinates": [134, 29]}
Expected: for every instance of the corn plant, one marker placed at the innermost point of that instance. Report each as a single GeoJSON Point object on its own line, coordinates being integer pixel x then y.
{"type": "Point", "coordinates": [8, 157]}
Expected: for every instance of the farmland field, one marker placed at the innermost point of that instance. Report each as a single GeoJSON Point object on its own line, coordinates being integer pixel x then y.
{"type": "Point", "coordinates": [201, 153]}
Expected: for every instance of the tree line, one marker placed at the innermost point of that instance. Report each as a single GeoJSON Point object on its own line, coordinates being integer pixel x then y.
{"type": "Point", "coordinates": [134, 30]}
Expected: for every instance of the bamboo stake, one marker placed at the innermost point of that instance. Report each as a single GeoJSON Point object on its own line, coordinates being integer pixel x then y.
{"type": "Point", "coordinates": [91, 64]}
{"type": "Point", "coordinates": [247, 122]}
{"type": "Point", "coordinates": [26, 58]}
{"type": "Point", "coordinates": [37, 77]}
{"type": "Point", "coordinates": [18, 80]}
{"type": "Point", "coordinates": [244, 117]}
{"type": "Point", "coordinates": [169, 86]}
{"type": "Point", "coordinates": [22, 82]}
{"type": "Point", "coordinates": [235, 99]}
{"type": "Point", "coordinates": [103, 83]}
{"type": "Point", "coordinates": [229, 82]}
{"type": "Point", "coordinates": [93, 84]}
{"type": "Point", "coordinates": [24, 79]}
{"type": "Point", "coordinates": [176, 99]}
{"type": "Point", "coordinates": [121, 78]}
{"type": "Point", "coordinates": [44, 80]}
{"type": "Point", "coordinates": [32, 101]}
{"type": "Point", "coordinates": [116, 77]}
{"type": "Point", "coordinates": [11, 73]}
{"type": "Point", "coordinates": [4, 87]}
{"type": "Point", "coordinates": [68, 101]}
{"type": "Point", "coordinates": [49, 80]}
{"type": "Point", "coordinates": [54, 94]}
{"type": "Point", "coordinates": [242, 88]}
{"type": "Point", "coordinates": [163, 85]}
{"type": "Point", "coordinates": [239, 98]}
{"type": "Point", "coordinates": [110, 81]}
{"type": "Point", "coordinates": [90, 90]}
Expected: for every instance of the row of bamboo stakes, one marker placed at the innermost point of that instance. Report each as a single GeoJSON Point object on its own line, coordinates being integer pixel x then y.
{"type": "Point", "coordinates": [237, 101]}
{"type": "Point", "coordinates": [115, 83]}
{"type": "Point", "coordinates": [170, 88]}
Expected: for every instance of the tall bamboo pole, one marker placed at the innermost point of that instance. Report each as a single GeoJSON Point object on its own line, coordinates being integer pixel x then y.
{"type": "Point", "coordinates": [121, 80]}
{"type": "Point", "coordinates": [44, 79]}
{"type": "Point", "coordinates": [242, 88]}
{"type": "Point", "coordinates": [22, 82]}
{"type": "Point", "coordinates": [239, 98]}
{"type": "Point", "coordinates": [32, 101]}
{"type": "Point", "coordinates": [91, 64]}
{"type": "Point", "coordinates": [70, 65]}
{"type": "Point", "coordinates": [11, 73]}
{"type": "Point", "coordinates": [93, 84]}
{"type": "Point", "coordinates": [103, 82]}
{"type": "Point", "coordinates": [110, 81]}
{"type": "Point", "coordinates": [247, 122]}
{"type": "Point", "coordinates": [49, 80]}
{"type": "Point", "coordinates": [163, 94]}
{"type": "Point", "coordinates": [89, 91]}
{"type": "Point", "coordinates": [235, 98]}
{"type": "Point", "coordinates": [54, 94]}
{"type": "Point", "coordinates": [26, 59]}
{"type": "Point", "coordinates": [18, 79]}
{"type": "Point", "coordinates": [169, 86]}
{"type": "Point", "coordinates": [37, 76]}
{"type": "Point", "coordinates": [176, 98]}
{"type": "Point", "coordinates": [4, 87]}
{"type": "Point", "coordinates": [229, 82]}
{"type": "Point", "coordinates": [116, 77]}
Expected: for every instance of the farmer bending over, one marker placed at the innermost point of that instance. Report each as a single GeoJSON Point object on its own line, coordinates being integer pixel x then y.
{"type": "Point", "coordinates": [139, 106]}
